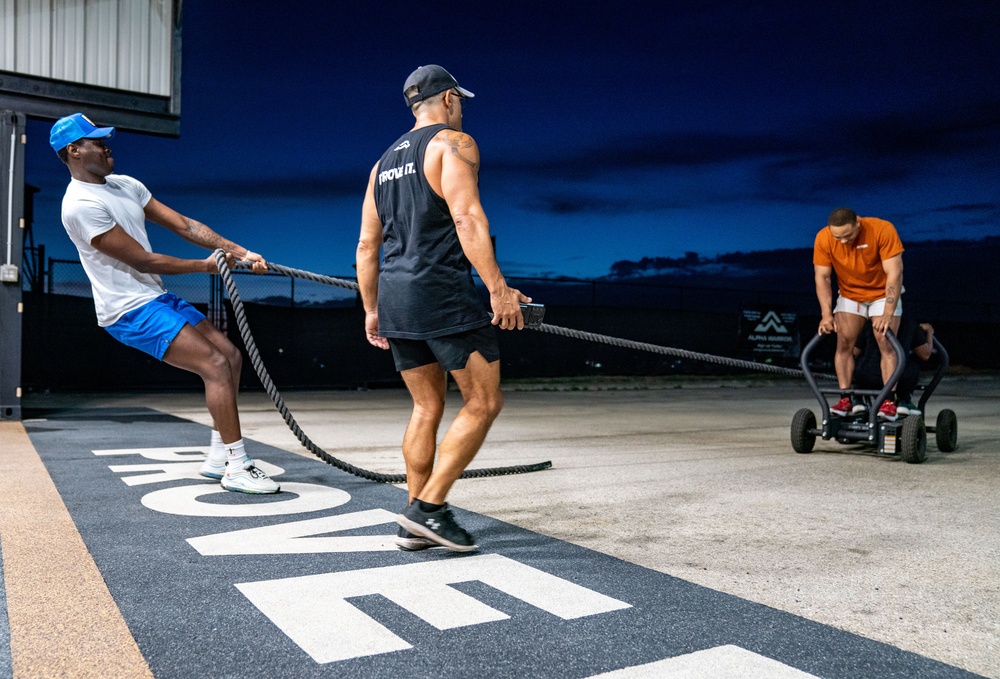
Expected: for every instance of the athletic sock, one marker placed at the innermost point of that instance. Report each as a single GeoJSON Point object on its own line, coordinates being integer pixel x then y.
{"type": "Point", "coordinates": [216, 449]}
{"type": "Point", "coordinates": [427, 507]}
{"type": "Point", "coordinates": [235, 454]}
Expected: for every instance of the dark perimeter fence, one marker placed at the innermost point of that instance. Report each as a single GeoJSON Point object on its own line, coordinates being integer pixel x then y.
{"type": "Point", "coordinates": [310, 335]}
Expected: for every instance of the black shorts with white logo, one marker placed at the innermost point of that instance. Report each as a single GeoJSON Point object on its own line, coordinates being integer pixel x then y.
{"type": "Point", "coordinates": [451, 351]}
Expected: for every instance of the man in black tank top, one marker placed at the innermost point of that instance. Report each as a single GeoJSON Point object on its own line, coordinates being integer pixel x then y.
{"type": "Point", "coordinates": [422, 210]}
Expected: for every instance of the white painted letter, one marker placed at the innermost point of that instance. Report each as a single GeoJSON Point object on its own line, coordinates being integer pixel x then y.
{"type": "Point", "coordinates": [295, 537]}
{"type": "Point", "coordinates": [313, 610]}
{"type": "Point", "coordinates": [301, 498]}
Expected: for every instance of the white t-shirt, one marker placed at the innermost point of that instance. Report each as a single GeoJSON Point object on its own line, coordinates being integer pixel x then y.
{"type": "Point", "coordinates": [88, 210]}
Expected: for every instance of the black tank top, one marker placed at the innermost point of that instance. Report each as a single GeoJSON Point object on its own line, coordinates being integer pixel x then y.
{"type": "Point", "coordinates": [425, 284]}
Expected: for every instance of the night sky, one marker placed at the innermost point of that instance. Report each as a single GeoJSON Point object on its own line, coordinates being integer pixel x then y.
{"type": "Point", "coordinates": [608, 131]}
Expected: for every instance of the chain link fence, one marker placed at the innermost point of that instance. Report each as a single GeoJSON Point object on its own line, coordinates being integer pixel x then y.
{"type": "Point", "coordinates": [634, 309]}
{"type": "Point", "coordinates": [310, 335]}
{"type": "Point", "coordinates": [67, 277]}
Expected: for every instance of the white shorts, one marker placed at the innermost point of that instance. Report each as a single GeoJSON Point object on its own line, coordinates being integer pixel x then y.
{"type": "Point", "coordinates": [866, 309]}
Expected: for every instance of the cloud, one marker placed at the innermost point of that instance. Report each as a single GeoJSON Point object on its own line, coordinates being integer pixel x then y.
{"type": "Point", "coordinates": [567, 203]}
{"type": "Point", "coordinates": [814, 163]}
{"type": "Point", "coordinates": [891, 149]}
{"type": "Point", "coordinates": [975, 214]}
{"type": "Point", "coordinates": [321, 187]}
{"type": "Point", "coordinates": [883, 139]}
{"type": "Point", "coordinates": [944, 219]}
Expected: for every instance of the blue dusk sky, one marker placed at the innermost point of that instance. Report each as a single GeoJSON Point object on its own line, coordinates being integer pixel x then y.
{"type": "Point", "coordinates": [608, 131]}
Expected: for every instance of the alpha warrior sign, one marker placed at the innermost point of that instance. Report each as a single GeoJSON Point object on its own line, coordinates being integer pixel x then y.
{"type": "Point", "coordinates": [770, 334]}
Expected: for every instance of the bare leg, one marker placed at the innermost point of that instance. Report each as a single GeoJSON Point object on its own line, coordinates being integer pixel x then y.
{"type": "Point", "coordinates": [888, 359]}
{"type": "Point", "coordinates": [479, 382]}
{"type": "Point", "coordinates": [222, 343]}
{"type": "Point", "coordinates": [848, 328]}
{"type": "Point", "coordinates": [427, 385]}
{"type": "Point", "coordinates": [192, 351]}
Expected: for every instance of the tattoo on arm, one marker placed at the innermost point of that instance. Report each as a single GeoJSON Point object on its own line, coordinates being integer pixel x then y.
{"type": "Point", "coordinates": [890, 295]}
{"type": "Point", "coordinates": [203, 235]}
{"type": "Point", "coordinates": [460, 144]}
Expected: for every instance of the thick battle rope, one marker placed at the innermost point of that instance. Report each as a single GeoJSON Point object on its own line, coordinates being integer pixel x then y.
{"type": "Point", "coordinates": [469, 473]}
{"type": "Point", "coordinates": [656, 349]}
{"type": "Point", "coordinates": [578, 334]}
{"type": "Point", "coordinates": [279, 402]}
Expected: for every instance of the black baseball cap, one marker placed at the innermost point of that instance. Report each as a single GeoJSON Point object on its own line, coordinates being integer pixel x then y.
{"type": "Point", "coordinates": [430, 80]}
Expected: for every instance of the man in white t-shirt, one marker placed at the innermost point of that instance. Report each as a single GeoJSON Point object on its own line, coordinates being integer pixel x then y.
{"type": "Point", "coordinates": [105, 216]}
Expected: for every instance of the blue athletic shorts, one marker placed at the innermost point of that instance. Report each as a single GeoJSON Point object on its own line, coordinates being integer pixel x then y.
{"type": "Point", "coordinates": [154, 325]}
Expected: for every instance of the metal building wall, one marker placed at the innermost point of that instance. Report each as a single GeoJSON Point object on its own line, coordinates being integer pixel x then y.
{"type": "Point", "coordinates": [11, 248]}
{"type": "Point", "coordinates": [120, 44]}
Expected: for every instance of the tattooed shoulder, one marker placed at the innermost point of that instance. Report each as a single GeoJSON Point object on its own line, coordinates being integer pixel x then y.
{"type": "Point", "coordinates": [463, 147]}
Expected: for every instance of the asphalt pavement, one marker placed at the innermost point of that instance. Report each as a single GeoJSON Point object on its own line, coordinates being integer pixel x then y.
{"type": "Point", "coordinates": [696, 479]}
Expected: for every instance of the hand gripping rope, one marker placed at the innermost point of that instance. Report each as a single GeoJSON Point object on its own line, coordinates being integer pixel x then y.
{"type": "Point", "coordinates": [541, 327]}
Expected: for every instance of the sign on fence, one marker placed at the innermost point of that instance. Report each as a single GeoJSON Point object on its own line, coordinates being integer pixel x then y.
{"type": "Point", "coordinates": [770, 334]}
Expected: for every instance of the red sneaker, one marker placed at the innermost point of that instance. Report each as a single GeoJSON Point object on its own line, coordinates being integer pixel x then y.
{"type": "Point", "coordinates": [843, 407]}
{"type": "Point", "coordinates": [888, 410]}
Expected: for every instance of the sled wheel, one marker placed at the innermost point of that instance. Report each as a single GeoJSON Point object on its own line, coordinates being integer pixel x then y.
{"type": "Point", "coordinates": [913, 440]}
{"type": "Point", "coordinates": [802, 424]}
{"type": "Point", "coordinates": [946, 431]}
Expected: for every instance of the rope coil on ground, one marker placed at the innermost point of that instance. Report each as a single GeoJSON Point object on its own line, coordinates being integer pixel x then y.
{"type": "Point", "coordinates": [279, 402]}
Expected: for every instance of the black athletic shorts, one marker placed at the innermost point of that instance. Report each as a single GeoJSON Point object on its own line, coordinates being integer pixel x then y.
{"type": "Point", "coordinates": [451, 351]}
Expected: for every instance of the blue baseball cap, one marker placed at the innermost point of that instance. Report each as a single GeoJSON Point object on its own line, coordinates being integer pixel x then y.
{"type": "Point", "coordinates": [72, 128]}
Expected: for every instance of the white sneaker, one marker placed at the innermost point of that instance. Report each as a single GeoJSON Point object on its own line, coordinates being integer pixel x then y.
{"type": "Point", "coordinates": [248, 479]}
{"type": "Point", "coordinates": [859, 408]}
{"type": "Point", "coordinates": [213, 470]}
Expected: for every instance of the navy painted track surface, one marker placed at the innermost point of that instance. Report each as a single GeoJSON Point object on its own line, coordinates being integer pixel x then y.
{"type": "Point", "coordinates": [319, 590]}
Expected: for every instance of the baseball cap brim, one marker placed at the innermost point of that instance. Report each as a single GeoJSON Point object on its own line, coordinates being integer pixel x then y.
{"type": "Point", "coordinates": [100, 133]}
{"type": "Point", "coordinates": [429, 80]}
{"type": "Point", "coordinates": [75, 127]}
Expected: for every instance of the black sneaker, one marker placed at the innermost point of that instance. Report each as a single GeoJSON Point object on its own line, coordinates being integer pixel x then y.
{"type": "Point", "coordinates": [408, 542]}
{"type": "Point", "coordinates": [438, 526]}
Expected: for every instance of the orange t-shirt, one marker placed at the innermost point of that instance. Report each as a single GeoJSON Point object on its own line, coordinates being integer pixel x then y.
{"type": "Point", "coordinates": [858, 266]}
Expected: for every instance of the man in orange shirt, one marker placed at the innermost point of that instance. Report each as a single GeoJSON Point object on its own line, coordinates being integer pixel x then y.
{"type": "Point", "coordinates": [867, 256]}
